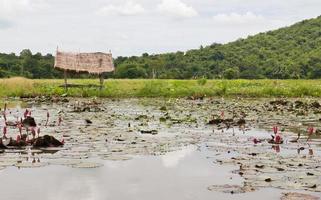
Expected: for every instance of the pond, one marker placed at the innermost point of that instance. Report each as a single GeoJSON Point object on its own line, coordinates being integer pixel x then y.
{"type": "Point", "coordinates": [162, 148]}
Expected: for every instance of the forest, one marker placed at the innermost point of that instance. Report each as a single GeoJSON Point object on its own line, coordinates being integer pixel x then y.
{"type": "Point", "coordinates": [292, 52]}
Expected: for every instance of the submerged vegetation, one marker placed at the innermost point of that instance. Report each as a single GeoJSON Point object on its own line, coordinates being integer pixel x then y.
{"type": "Point", "coordinates": [22, 87]}
{"type": "Point", "coordinates": [292, 52]}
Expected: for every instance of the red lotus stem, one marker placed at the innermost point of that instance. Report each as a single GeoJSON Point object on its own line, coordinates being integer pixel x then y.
{"type": "Point", "coordinates": [222, 115]}
{"type": "Point", "coordinates": [5, 131]}
{"type": "Point", "coordinates": [20, 129]}
{"type": "Point", "coordinates": [310, 130]}
{"type": "Point", "coordinates": [59, 120]}
{"type": "Point", "coordinates": [278, 139]}
{"type": "Point", "coordinates": [275, 129]}
{"type": "Point", "coordinates": [276, 148]}
{"type": "Point", "coordinates": [18, 138]}
{"type": "Point", "coordinates": [255, 141]}
{"type": "Point", "coordinates": [48, 115]}
{"type": "Point", "coordinates": [25, 114]}
{"type": "Point", "coordinates": [310, 133]}
{"type": "Point", "coordinates": [5, 116]}
{"type": "Point", "coordinates": [38, 131]}
{"type": "Point", "coordinates": [33, 132]}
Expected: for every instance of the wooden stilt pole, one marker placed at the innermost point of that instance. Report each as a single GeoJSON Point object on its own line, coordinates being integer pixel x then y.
{"type": "Point", "coordinates": [101, 80]}
{"type": "Point", "coordinates": [101, 77]}
{"type": "Point", "coordinates": [65, 77]}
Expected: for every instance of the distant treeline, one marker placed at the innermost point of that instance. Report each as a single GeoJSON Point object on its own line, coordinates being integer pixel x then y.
{"type": "Point", "coordinates": [288, 53]}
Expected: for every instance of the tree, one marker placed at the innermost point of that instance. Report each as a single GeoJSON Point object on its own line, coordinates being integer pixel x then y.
{"type": "Point", "coordinates": [130, 71]}
{"type": "Point", "coordinates": [26, 60]}
{"type": "Point", "coordinates": [231, 73]}
{"type": "Point", "coordinates": [156, 66]}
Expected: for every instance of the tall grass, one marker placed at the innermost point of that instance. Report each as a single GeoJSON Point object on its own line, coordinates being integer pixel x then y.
{"type": "Point", "coordinates": [16, 87]}
{"type": "Point", "coordinates": [22, 87]}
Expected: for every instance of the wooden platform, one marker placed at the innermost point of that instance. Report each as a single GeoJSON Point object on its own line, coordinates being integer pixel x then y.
{"type": "Point", "coordinates": [69, 85]}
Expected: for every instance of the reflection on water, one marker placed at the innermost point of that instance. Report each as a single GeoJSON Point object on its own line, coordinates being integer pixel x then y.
{"type": "Point", "coordinates": [13, 104]}
{"type": "Point", "coordinates": [172, 159]}
{"type": "Point", "coordinates": [276, 148]}
{"type": "Point", "coordinates": [183, 174]}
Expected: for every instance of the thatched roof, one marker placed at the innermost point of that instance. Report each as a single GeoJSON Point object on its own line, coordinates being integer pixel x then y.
{"type": "Point", "coordinates": [94, 63]}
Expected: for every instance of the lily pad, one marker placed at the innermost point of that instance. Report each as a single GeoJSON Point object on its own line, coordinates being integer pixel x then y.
{"type": "Point", "coordinates": [233, 189]}
{"type": "Point", "coordinates": [30, 164]}
{"type": "Point", "coordinates": [87, 165]}
{"type": "Point", "coordinates": [117, 158]}
{"type": "Point", "coordinates": [298, 196]}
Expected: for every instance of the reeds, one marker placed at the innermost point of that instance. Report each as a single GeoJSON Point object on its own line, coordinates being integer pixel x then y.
{"type": "Point", "coordinates": [124, 88]}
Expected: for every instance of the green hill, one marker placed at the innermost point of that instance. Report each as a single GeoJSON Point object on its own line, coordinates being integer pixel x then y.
{"type": "Point", "coordinates": [290, 52]}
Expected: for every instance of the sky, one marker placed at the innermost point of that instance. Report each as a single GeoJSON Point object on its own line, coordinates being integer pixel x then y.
{"type": "Point", "coordinates": [133, 27]}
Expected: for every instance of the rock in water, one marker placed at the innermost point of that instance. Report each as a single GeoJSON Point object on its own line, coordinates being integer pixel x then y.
{"type": "Point", "coordinates": [315, 104]}
{"type": "Point", "coordinates": [2, 146]}
{"type": "Point", "coordinates": [11, 123]}
{"type": "Point", "coordinates": [29, 122]}
{"type": "Point", "coordinates": [15, 143]}
{"type": "Point", "coordinates": [47, 141]}
{"type": "Point", "coordinates": [241, 122]}
{"type": "Point", "coordinates": [5, 141]}
{"type": "Point", "coordinates": [215, 121]}
{"type": "Point", "coordinates": [88, 121]}
{"type": "Point", "coordinates": [152, 132]}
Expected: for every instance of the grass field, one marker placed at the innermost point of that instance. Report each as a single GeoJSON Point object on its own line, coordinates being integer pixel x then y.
{"type": "Point", "coordinates": [21, 87]}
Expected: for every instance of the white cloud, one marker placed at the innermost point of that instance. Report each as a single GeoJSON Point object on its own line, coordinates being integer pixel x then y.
{"type": "Point", "coordinates": [10, 9]}
{"type": "Point", "coordinates": [235, 18]}
{"type": "Point", "coordinates": [177, 8]}
{"type": "Point", "coordinates": [129, 8]}
{"type": "Point", "coordinates": [4, 24]}
{"type": "Point", "coordinates": [41, 25]}
{"type": "Point", "coordinates": [14, 6]}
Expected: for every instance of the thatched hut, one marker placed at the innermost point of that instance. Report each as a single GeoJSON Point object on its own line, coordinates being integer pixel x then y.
{"type": "Point", "coordinates": [93, 63]}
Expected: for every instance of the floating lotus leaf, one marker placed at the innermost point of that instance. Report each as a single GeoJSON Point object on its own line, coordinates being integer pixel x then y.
{"type": "Point", "coordinates": [117, 158]}
{"type": "Point", "coordinates": [233, 189]}
{"type": "Point", "coordinates": [67, 162]}
{"type": "Point", "coordinates": [30, 164]}
{"type": "Point", "coordinates": [87, 165]}
{"type": "Point", "coordinates": [298, 196]}
{"type": "Point", "coordinates": [15, 150]}
{"type": "Point", "coordinates": [52, 149]}
{"type": "Point", "coordinates": [7, 163]}
{"type": "Point", "coordinates": [35, 151]}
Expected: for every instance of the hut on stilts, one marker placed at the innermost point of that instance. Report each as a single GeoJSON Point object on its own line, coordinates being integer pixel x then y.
{"type": "Point", "coordinates": [93, 63]}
